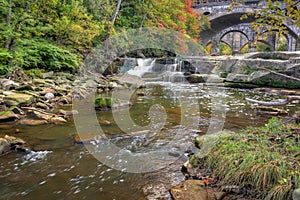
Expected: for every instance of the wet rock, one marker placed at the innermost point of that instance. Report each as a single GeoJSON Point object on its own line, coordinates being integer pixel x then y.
{"type": "Point", "coordinates": [67, 113]}
{"type": "Point", "coordinates": [7, 116]}
{"type": "Point", "coordinates": [57, 120]}
{"type": "Point", "coordinates": [39, 81]}
{"type": "Point", "coordinates": [229, 189]}
{"type": "Point", "coordinates": [196, 78]}
{"type": "Point", "coordinates": [17, 110]}
{"type": "Point", "coordinates": [105, 123]}
{"type": "Point", "coordinates": [48, 74]}
{"type": "Point", "coordinates": [25, 87]}
{"type": "Point", "coordinates": [132, 81]}
{"type": "Point", "coordinates": [18, 99]}
{"type": "Point", "coordinates": [32, 122]}
{"type": "Point", "coordinates": [42, 148]}
{"type": "Point", "coordinates": [220, 195]}
{"type": "Point", "coordinates": [7, 84]}
{"type": "Point", "coordinates": [296, 194]}
{"type": "Point", "coordinates": [189, 190]}
{"type": "Point", "coordinates": [237, 78]}
{"type": "Point", "coordinates": [83, 138]}
{"type": "Point", "coordinates": [4, 146]}
{"type": "Point", "coordinates": [49, 96]}
{"type": "Point", "coordinates": [187, 168]}
{"type": "Point", "coordinates": [10, 143]}
{"type": "Point", "coordinates": [266, 110]}
{"type": "Point", "coordinates": [42, 106]}
{"type": "Point", "coordinates": [13, 140]}
{"type": "Point", "coordinates": [38, 115]}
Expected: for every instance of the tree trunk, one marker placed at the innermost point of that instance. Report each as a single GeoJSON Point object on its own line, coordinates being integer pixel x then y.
{"type": "Point", "coordinates": [8, 22]}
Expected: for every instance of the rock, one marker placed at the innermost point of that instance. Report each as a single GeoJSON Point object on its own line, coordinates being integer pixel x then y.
{"type": "Point", "coordinates": [141, 94]}
{"type": "Point", "coordinates": [4, 146]}
{"type": "Point", "coordinates": [8, 84]}
{"type": "Point", "coordinates": [229, 189]}
{"type": "Point", "coordinates": [32, 122]}
{"type": "Point", "coordinates": [57, 120]}
{"type": "Point", "coordinates": [132, 81]}
{"type": "Point", "coordinates": [7, 116]}
{"type": "Point", "coordinates": [105, 123]}
{"type": "Point", "coordinates": [18, 99]}
{"type": "Point", "coordinates": [187, 168]}
{"type": "Point", "coordinates": [196, 78]}
{"type": "Point", "coordinates": [237, 78]}
{"type": "Point", "coordinates": [39, 81]}
{"type": "Point", "coordinates": [42, 148]}
{"type": "Point", "coordinates": [296, 194]}
{"type": "Point", "coordinates": [48, 74]}
{"type": "Point", "coordinates": [49, 96]}
{"type": "Point", "coordinates": [220, 195]}
{"type": "Point", "coordinates": [25, 87]}
{"type": "Point", "coordinates": [189, 190]}
{"type": "Point", "coordinates": [267, 110]}
{"type": "Point", "coordinates": [13, 140]}
{"type": "Point", "coordinates": [42, 105]}
{"type": "Point", "coordinates": [83, 138]}
{"type": "Point", "coordinates": [17, 110]}
{"type": "Point", "coordinates": [38, 115]}
{"type": "Point", "coordinates": [67, 113]}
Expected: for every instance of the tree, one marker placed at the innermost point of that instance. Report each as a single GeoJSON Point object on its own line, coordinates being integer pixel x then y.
{"type": "Point", "coordinates": [272, 17]}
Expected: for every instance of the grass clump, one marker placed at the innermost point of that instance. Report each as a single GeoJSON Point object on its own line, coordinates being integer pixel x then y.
{"type": "Point", "coordinates": [266, 158]}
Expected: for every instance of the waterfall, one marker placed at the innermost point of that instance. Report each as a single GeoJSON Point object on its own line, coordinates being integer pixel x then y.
{"type": "Point", "coordinates": [173, 72]}
{"type": "Point", "coordinates": [143, 65]}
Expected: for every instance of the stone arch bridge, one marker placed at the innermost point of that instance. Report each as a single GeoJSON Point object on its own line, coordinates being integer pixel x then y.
{"type": "Point", "coordinates": [225, 24]}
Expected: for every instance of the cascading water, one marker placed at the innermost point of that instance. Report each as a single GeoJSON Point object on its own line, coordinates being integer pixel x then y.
{"type": "Point", "coordinates": [173, 72]}
{"type": "Point", "coordinates": [144, 65]}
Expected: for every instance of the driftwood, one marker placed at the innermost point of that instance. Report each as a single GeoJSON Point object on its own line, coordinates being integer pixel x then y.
{"type": "Point", "coordinates": [274, 103]}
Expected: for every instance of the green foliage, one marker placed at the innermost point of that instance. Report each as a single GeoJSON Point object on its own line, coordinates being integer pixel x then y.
{"type": "Point", "coordinates": [225, 49]}
{"type": "Point", "coordinates": [32, 54]}
{"type": "Point", "coordinates": [261, 157]}
{"type": "Point", "coordinates": [272, 18]}
{"type": "Point", "coordinates": [34, 73]}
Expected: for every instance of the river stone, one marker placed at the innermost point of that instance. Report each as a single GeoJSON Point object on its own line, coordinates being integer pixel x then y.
{"type": "Point", "coordinates": [296, 194]}
{"type": "Point", "coordinates": [8, 84]}
{"type": "Point", "coordinates": [48, 74]}
{"type": "Point", "coordinates": [8, 116]}
{"type": "Point", "coordinates": [18, 99]}
{"type": "Point", "coordinates": [25, 87]}
{"type": "Point", "coordinates": [189, 190]}
{"type": "Point", "coordinates": [32, 122]}
{"type": "Point", "coordinates": [4, 146]}
{"type": "Point", "coordinates": [39, 81]}
{"type": "Point", "coordinates": [42, 148]}
{"type": "Point", "coordinates": [13, 140]}
{"type": "Point", "coordinates": [49, 96]}
{"type": "Point", "coordinates": [57, 120]}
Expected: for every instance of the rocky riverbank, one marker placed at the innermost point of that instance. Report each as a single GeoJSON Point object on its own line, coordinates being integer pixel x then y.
{"type": "Point", "coordinates": [256, 163]}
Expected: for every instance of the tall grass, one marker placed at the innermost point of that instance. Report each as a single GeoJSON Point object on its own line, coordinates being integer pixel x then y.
{"type": "Point", "coordinates": [261, 157]}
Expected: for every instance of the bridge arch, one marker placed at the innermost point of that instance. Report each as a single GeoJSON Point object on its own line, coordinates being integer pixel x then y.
{"type": "Point", "coordinates": [221, 19]}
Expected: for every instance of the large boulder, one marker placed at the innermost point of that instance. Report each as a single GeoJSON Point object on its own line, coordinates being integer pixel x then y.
{"type": "Point", "coordinates": [190, 190]}
{"type": "Point", "coordinates": [10, 143]}
{"type": "Point", "coordinates": [7, 116]}
{"type": "Point", "coordinates": [18, 99]}
{"type": "Point", "coordinates": [7, 84]}
{"type": "Point", "coordinates": [4, 146]}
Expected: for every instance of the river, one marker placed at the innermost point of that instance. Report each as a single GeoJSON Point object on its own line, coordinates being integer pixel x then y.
{"type": "Point", "coordinates": [69, 171]}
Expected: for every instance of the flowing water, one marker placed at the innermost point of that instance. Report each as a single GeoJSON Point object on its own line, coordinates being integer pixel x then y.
{"type": "Point", "coordinates": [69, 171]}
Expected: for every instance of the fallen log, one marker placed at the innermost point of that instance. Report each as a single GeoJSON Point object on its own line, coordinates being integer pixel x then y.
{"type": "Point", "coordinates": [274, 103]}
